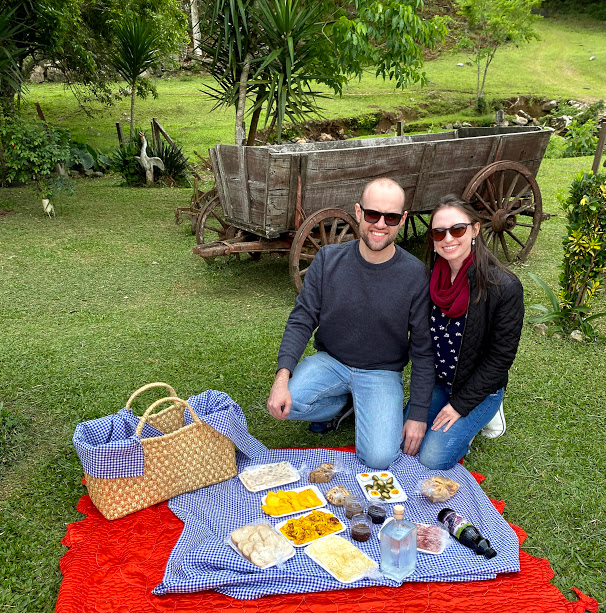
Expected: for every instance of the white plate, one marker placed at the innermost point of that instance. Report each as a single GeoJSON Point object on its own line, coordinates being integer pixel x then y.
{"type": "Point", "coordinates": [265, 476]}
{"type": "Point", "coordinates": [445, 538]}
{"type": "Point", "coordinates": [401, 497]}
{"type": "Point", "coordinates": [235, 548]}
{"type": "Point", "coordinates": [284, 522]}
{"type": "Point", "coordinates": [356, 578]}
{"type": "Point", "coordinates": [314, 489]}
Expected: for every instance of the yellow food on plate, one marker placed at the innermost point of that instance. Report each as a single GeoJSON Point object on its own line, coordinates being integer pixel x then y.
{"type": "Point", "coordinates": [281, 502]}
{"type": "Point", "coordinates": [310, 527]}
{"type": "Point", "coordinates": [343, 559]}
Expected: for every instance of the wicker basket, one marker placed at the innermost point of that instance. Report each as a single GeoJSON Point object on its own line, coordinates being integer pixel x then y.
{"type": "Point", "coordinates": [183, 459]}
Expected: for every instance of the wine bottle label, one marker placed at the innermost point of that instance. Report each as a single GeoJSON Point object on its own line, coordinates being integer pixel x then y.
{"type": "Point", "coordinates": [455, 524]}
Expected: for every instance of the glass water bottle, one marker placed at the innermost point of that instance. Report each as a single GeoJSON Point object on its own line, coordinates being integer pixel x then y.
{"type": "Point", "coordinates": [398, 547]}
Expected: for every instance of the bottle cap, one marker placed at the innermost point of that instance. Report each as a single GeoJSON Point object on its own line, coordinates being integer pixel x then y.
{"type": "Point", "coordinates": [484, 548]}
{"type": "Point", "coordinates": [398, 511]}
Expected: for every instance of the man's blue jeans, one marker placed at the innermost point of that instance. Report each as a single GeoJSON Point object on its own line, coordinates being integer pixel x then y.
{"type": "Point", "coordinates": [442, 450]}
{"type": "Point", "coordinates": [319, 387]}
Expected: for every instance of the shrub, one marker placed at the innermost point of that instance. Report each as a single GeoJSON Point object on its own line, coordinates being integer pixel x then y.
{"type": "Point", "coordinates": [83, 157]}
{"type": "Point", "coordinates": [584, 257]}
{"type": "Point", "coordinates": [556, 148]}
{"type": "Point", "coordinates": [124, 163]}
{"type": "Point", "coordinates": [30, 152]}
{"type": "Point", "coordinates": [581, 138]}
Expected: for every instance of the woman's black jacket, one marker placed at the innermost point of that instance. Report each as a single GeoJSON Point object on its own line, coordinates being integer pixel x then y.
{"type": "Point", "coordinates": [490, 341]}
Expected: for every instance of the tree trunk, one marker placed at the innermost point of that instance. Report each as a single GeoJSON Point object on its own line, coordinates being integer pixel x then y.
{"type": "Point", "coordinates": [133, 91]}
{"type": "Point", "coordinates": [254, 120]}
{"type": "Point", "coordinates": [489, 59]}
{"type": "Point", "coordinates": [195, 26]}
{"type": "Point", "coordinates": [240, 135]}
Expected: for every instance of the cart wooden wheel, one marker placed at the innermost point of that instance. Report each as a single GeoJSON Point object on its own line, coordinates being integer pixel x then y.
{"type": "Point", "coordinates": [509, 201]}
{"type": "Point", "coordinates": [325, 227]}
{"type": "Point", "coordinates": [211, 224]}
{"type": "Point", "coordinates": [415, 227]}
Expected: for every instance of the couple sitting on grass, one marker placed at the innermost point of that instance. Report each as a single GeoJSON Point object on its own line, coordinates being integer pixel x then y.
{"type": "Point", "coordinates": [373, 307]}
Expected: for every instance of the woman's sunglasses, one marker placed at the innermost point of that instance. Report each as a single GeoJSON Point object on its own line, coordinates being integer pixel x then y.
{"type": "Point", "coordinates": [456, 231]}
{"type": "Point", "coordinates": [391, 219]}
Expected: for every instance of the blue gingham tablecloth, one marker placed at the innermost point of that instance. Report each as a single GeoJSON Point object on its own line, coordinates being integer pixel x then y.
{"type": "Point", "coordinates": [201, 560]}
{"type": "Point", "coordinates": [109, 448]}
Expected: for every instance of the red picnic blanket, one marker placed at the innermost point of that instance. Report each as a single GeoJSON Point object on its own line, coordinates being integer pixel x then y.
{"type": "Point", "coordinates": [112, 567]}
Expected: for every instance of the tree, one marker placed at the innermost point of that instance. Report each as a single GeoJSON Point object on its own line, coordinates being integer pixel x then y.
{"type": "Point", "coordinates": [493, 23]}
{"type": "Point", "coordinates": [289, 46]}
{"type": "Point", "coordinates": [77, 36]}
{"type": "Point", "coordinates": [10, 76]}
{"type": "Point", "coordinates": [136, 49]}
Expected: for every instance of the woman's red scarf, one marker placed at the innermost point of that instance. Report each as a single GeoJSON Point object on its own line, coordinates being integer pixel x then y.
{"type": "Point", "coordinates": [452, 298]}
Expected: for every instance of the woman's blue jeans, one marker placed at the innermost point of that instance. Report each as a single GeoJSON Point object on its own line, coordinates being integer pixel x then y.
{"type": "Point", "coordinates": [442, 450]}
{"type": "Point", "coordinates": [320, 386]}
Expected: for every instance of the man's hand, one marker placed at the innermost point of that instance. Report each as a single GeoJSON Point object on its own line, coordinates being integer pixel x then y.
{"type": "Point", "coordinates": [412, 435]}
{"type": "Point", "coordinates": [446, 417]}
{"type": "Point", "coordinates": [279, 401]}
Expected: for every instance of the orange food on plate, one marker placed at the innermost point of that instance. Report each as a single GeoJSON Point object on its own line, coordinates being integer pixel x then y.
{"type": "Point", "coordinates": [281, 502]}
{"type": "Point", "coordinates": [310, 527]}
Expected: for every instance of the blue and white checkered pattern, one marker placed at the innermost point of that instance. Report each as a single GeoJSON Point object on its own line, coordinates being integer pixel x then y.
{"type": "Point", "coordinates": [201, 560]}
{"type": "Point", "coordinates": [109, 448]}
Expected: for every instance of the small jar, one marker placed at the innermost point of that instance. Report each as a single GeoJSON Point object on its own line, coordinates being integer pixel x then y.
{"type": "Point", "coordinates": [376, 511]}
{"type": "Point", "coordinates": [354, 505]}
{"type": "Point", "coordinates": [361, 527]}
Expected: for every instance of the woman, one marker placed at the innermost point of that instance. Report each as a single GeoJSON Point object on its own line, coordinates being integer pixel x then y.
{"type": "Point", "coordinates": [476, 322]}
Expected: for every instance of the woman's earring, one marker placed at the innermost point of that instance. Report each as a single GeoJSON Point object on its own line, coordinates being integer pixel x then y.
{"type": "Point", "coordinates": [473, 242]}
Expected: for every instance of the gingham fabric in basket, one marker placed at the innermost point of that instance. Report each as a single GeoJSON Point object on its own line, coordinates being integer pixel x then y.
{"type": "Point", "coordinates": [201, 560]}
{"type": "Point", "coordinates": [109, 448]}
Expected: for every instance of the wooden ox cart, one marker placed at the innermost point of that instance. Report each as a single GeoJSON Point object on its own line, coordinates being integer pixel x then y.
{"type": "Point", "coordinates": [296, 198]}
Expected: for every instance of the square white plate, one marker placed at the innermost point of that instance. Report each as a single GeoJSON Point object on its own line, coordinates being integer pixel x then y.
{"type": "Point", "coordinates": [401, 497]}
{"type": "Point", "coordinates": [265, 476]}
{"type": "Point", "coordinates": [314, 489]}
{"type": "Point", "coordinates": [235, 548]}
{"type": "Point", "coordinates": [356, 578]}
{"type": "Point", "coordinates": [283, 523]}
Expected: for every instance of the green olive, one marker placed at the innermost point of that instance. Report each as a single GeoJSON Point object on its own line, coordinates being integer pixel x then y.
{"type": "Point", "coordinates": [385, 495]}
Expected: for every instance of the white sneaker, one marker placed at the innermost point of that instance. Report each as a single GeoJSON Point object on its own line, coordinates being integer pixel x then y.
{"type": "Point", "coordinates": [496, 426]}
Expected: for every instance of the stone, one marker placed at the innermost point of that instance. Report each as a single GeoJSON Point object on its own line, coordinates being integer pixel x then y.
{"type": "Point", "coordinates": [549, 106]}
{"type": "Point", "coordinates": [576, 335]}
{"type": "Point", "coordinates": [324, 137]}
{"type": "Point", "coordinates": [300, 141]}
{"type": "Point", "coordinates": [466, 124]}
{"type": "Point", "coordinates": [460, 64]}
{"type": "Point", "coordinates": [88, 172]}
{"type": "Point", "coordinates": [592, 58]}
{"type": "Point", "coordinates": [541, 329]}
{"type": "Point", "coordinates": [519, 121]}
{"type": "Point", "coordinates": [524, 114]}
{"type": "Point", "coordinates": [457, 125]}
{"type": "Point", "coordinates": [37, 75]}
{"type": "Point", "coordinates": [98, 173]}
{"type": "Point", "coordinates": [448, 126]}
{"type": "Point", "coordinates": [54, 75]}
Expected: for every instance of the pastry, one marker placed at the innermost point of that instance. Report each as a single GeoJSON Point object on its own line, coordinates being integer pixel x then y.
{"type": "Point", "coordinates": [337, 495]}
{"type": "Point", "coordinates": [323, 474]}
{"type": "Point", "coordinates": [439, 489]}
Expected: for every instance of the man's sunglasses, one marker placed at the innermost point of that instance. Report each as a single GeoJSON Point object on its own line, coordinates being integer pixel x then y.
{"type": "Point", "coordinates": [456, 231]}
{"type": "Point", "coordinates": [391, 219]}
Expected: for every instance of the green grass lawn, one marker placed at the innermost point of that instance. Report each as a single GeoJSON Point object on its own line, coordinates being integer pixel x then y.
{"type": "Point", "coordinates": [108, 296]}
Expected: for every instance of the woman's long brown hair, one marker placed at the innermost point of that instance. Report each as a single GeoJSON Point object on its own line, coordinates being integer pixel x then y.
{"type": "Point", "coordinates": [489, 270]}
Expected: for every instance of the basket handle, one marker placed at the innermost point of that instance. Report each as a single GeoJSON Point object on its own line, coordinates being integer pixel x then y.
{"type": "Point", "coordinates": [174, 399]}
{"type": "Point", "coordinates": [147, 387]}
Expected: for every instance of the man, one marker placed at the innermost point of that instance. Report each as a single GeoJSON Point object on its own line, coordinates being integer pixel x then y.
{"type": "Point", "coordinates": [368, 302]}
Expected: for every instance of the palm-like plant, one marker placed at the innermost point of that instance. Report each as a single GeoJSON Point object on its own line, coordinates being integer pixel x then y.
{"type": "Point", "coordinates": [10, 75]}
{"type": "Point", "coordinates": [135, 50]}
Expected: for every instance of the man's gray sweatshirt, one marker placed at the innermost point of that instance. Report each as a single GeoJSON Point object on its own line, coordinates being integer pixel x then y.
{"type": "Point", "coordinates": [367, 316]}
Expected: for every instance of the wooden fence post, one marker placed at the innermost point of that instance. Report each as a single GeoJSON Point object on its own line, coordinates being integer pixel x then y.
{"type": "Point", "coordinates": [600, 149]}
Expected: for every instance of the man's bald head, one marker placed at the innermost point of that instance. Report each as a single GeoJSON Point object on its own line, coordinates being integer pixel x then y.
{"type": "Point", "coordinates": [384, 183]}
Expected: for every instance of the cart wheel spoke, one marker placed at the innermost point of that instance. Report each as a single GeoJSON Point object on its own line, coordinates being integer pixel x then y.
{"type": "Point", "coordinates": [504, 246]}
{"type": "Point", "coordinates": [499, 197]}
{"type": "Point", "coordinates": [343, 235]}
{"type": "Point", "coordinates": [487, 206]}
{"type": "Point", "coordinates": [212, 226]}
{"type": "Point", "coordinates": [515, 238]}
{"type": "Point", "coordinates": [507, 198]}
